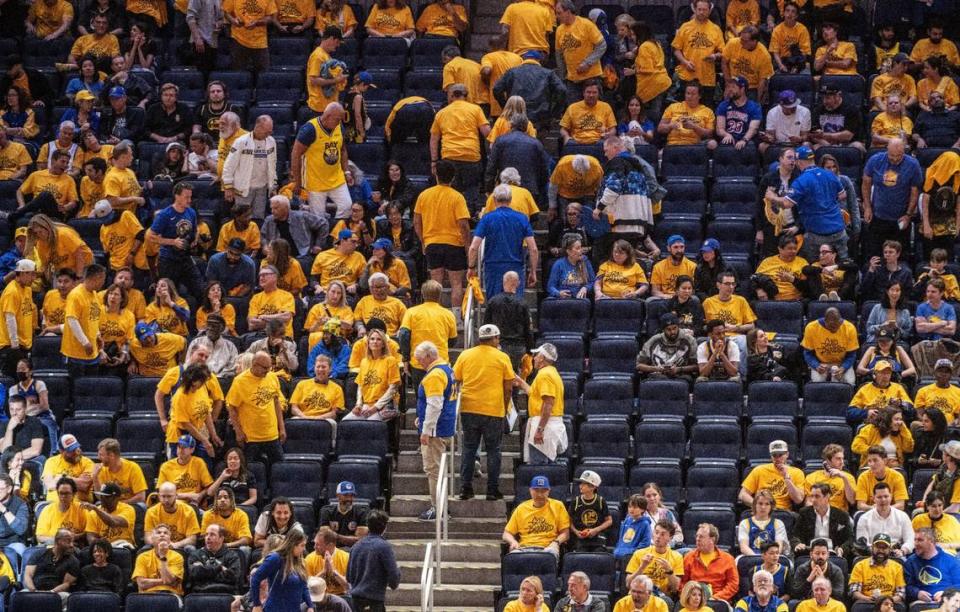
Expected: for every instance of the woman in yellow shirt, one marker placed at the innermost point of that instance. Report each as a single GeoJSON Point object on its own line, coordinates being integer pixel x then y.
{"type": "Point", "coordinates": [58, 245]}
{"type": "Point", "coordinates": [116, 329]}
{"type": "Point", "coordinates": [359, 224]}
{"type": "Point", "coordinates": [515, 105]}
{"type": "Point", "coordinates": [337, 13]}
{"type": "Point", "coordinates": [213, 303]}
{"type": "Point", "coordinates": [377, 382]}
{"type": "Point", "coordinates": [291, 276]}
{"type": "Point", "coordinates": [390, 19]}
{"type": "Point", "coordinates": [191, 411]}
{"type": "Point", "coordinates": [382, 260]}
{"type": "Point", "coordinates": [692, 599]}
{"type": "Point", "coordinates": [168, 309]}
{"type": "Point", "coordinates": [653, 81]}
{"type": "Point", "coordinates": [531, 597]}
{"type": "Point", "coordinates": [620, 276]}
{"type": "Point", "coordinates": [936, 79]}
{"type": "Point", "coordinates": [784, 269]}
{"type": "Point", "coordinates": [11, 464]}
{"type": "Point", "coordinates": [334, 306]}
{"type": "Point", "coordinates": [888, 431]}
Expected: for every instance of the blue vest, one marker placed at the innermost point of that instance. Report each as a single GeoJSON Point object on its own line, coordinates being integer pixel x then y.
{"type": "Point", "coordinates": [447, 422]}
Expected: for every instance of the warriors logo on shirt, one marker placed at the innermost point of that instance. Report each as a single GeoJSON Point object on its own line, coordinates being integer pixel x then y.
{"type": "Point", "coordinates": [253, 9]}
{"type": "Point", "coordinates": [186, 482]}
{"type": "Point", "coordinates": [94, 310]}
{"type": "Point", "coordinates": [267, 309]}
{"type": "Point", "coordinates": [201, 409]}
{"type": "Point", "coordinates": [777, 487]}
{"type": "Point", "coordinates": [830, 347]}
{"type": "Point", "coordinates": [890, 178]}
{"type": "Point", "coordinates": [263, 396]}
{"type": "Point", "coordinates": [385, 21]}
{"type": "Point", "coordinates": [568, 43]}
{"type": "Point", "coordinates": [55, 317]}
{"type": "Point", "coordinates": [700, 40]}
{"type": "Point", "coordinates": [876, 582]}
{"type": "Point", "coordinates": [53, 190]}
{"type": "Point", "coordinates": [371, 378]}
{"type": "Point", "coordinates": [538, 524]}
{"type": "Point", "coordinates": [589, 518]}
{"type": "Point", "coordinates": [111, 331]}
{"type": "Point", "coordinates": [115, 241]}
{"type": "Point", "coordinates": [589, 122]}
{"type": "Point", "coordinates": [339, 270]}
{"type": "Point", "coordinates": [155, 360]}
{"type": "Point", "coordinates": [289, 11]}
{"type": "Point", "coordinates": [331, 153]}
{"type": "Point", "coordinates": [741, 66]}
{"type": "Point", "coordinates": [318, 401]}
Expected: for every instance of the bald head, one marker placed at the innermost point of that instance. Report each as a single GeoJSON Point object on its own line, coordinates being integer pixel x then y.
{"type": "Point", "coordinates": [895, 150]}
{"type": "Point", "coordinates": [332, 115]}
{"type": "Point", "coordinates": [260, 364]}
{"type": "Point", "coordinates": [263, 127]}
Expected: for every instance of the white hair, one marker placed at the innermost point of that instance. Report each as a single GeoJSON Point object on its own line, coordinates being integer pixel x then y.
{"type": "Point", "coordinates": [581, 165]}
{"type": "Point", "coordinates": [68, 124]}
{"type": "Point", "coordinates": [502, 193]}
{"type": "Point", "coordinates": [582, 578]}
{"type": "Point", "coordinates": [510, 176]}
{"type": "Point", "coordinates": [379, 277]}
{"type": "Point", "coordinates": [762, 574]}
{"type": "Point", "coordinates": [426, 351]}
{"type": "Point", "coordinates": [280, 199]}
{"type": "Point", "coordinates": [645, 580]}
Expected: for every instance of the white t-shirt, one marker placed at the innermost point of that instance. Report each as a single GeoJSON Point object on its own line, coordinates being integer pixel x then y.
{"type": "Point", "coordinates": [785, 126]}
{"type": "Point", "coordinates": [703, 351]}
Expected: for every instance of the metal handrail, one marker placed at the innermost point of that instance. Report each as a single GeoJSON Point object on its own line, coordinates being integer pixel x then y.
{"type": "Point", "coordinates": [440, 526]}
{"type": "Point", "coordinates": [426, 579]}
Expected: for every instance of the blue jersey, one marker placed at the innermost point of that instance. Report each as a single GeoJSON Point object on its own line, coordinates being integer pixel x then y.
{"type": "Point", "coordinates": [737, 118]}
{"type": "Point", "coordinates": [815, 194]}
{"type": "Point", "coordinates": [504, 230]}
{"type": "Point", "coordinates": [447, 421]}
{"type": "Point", "coordinates": [172, 224]}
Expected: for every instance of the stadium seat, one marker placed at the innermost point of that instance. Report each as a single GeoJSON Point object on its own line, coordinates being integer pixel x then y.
{"type": "Point", "coordinates": [348, 52]}
{"type": "Point", "coordinates": [764, 431]}
{"type": "Point", "coordinates": [207, 602]}
{"type": "Point", "coordinates": [415, 157]}
{"type": "Point", "coordinates": [712, 482]}
{"type": "Point", "coordinates": [685, 197]}
{"type": "Point", "coordinates": [289, 52]}
{"type": "Point", "coordinates": [769, 398]}
{"type": "Point", "coordinates": [817, 435]}
{"type": "Point", "coordinates": [919, 482]}
{"type": "Point", "coordinates": [618, 316]}
{"type": "Point", "coordinates": [558, 475]}
{"type": "Point", "coordinates": [389, 82]}
{"type": "Point", "coordinates": [308, 438]}
{"type": "Point", "coordinates": [89, 230]}
{"type": "Point", "coordinates": [730, 200]}
{"type": "Point", "coordinates": [816, 310]}
{"type": "Point", "coordinates": [568, 316]}
{"type": "Point", "coordinates": [187, 79]}
{"type": "Point", "coordinates": [780, 317]}
{"type": "Point", "coordinates": [685, 160]}
{"type": "Point", "coordinates": [425, 52]}
{"type": "Point", "coordinates": [851, 87]}
{"type": "Point", "coordinates": [721, 398]}
{"type": "Point", "coordinates": [98, 394]}
{"type": "Point", "coordinates": [369, 156]}
{"type": "Point", "coordinates": [279, 86]}
{"type": "Point", "coordinates": [363, 473]}
{"type": "Point", "coordinates": [571, 388]}
{"type": "Point", "coordinates": [801, 84]}
{"type": "Point", "coordinates": [239, 83]}
{"type": "Point", "coordinates": [300, 480]}
{"type": "Point", "coordinates": [690, 229]}
{"type": "Point", "coordinates": [140, 437]}
{"type": "Point", "coordinates": [592, 150]}
{"type": "Point", "coordinates": [8, 197]}
{"type": "Point", "coordinates": [613, 477]}
{"type": "Point", "coordinates": [607, 395]}
{"type": "Point", "coordinates": [600, 566]}
{"type": "Point", "coordinates": [519, 564]}
{"type": "Point", "coordinates": [664, 472]}
{"type": "Point", "coordinates": [362, 438]}
{"type": "Point", "coordinates": [720, 516]}
{"type": "Point", "coordinates": [604, 438]}
{"type": "Point", "coordinates": [849, 159]}
{"type": "Point", "coordinates": [715, 438]}
{"type": "Point", "coordinates": [571, 351]}
{"type": "Point", "coordinates": [737, 236]}
{"type": "Point", "coordinates": [384, 52]}
{"type": "Point", "coordinates": [58, 391]}
{"type": "Point", "coordinates": [152, 602]}
{"type": "Point", "coordinates": [88, 430]}
{"type": "Point", "coordinates": [826, 401]}
{"type": "Point", "coordinates": [46, 355]}
{"type": "Point", "coordinates": [729, 161]}
{"type": "Point", "coordinates": [139, 395]}
{"type": "Point", "coordinates": [660, 437]}
{"type": "Point", "coordinates": [658, 16]}
{"type": "Point", "coordinates": [663, 398]}
{"type": "Point", "coordinates": [426, 83]}
{"type": "Point", "coordinates": [35, 601]}
{"type": "Point", "coordinates": [101, 602]}
{"type": "Point", "coordinates": [614, 354]}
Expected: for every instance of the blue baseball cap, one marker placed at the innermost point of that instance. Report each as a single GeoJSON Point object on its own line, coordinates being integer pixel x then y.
{"type": "Point", "coordinates": [742, 81]}
{"type": "Point", "coordinates": [540, 482]}
{"type": "Point", "coordinates": [187, 441]}
{"type": "Point", "coordinates": [366, 78]}
{"type": "Point", "coordinates": [346, 488]}
{"type": "Point", "coordinates": [345, 234]}
{"type": "Point", "coordinates": [710, 244]}
{"type": "Point", "coordinates": [804, 152]}
{"type": "Point", "coordinates": [118, 92]}
{"type": "Point", "coordinates": [383, 243]}
{"type": "Point", "coordinates": [145, 330]}
{"type": "Point", "coordinates": [675, 238]}
{"type": "Point", "coordinates": [533, 54]}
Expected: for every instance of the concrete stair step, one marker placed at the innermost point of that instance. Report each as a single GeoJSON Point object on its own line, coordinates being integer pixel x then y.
{"type": "Point", "coordinates": [414, 505]}
{"type": "Point", "coordinates": [453, 550]}
{"type": "Point", "coordinates": [458, 596]}
{"type": "Point", "coordinates": [410, 440]}
{"type": "Point", "coordinates": [472, 572]}
{"type": "Point", "coordinates": [411, 461]}
{"type": "Point", "coordinates": [402, 527]}
{"type": "Point", "coordinates": [415, 483]}
{"type": "Point", "coordinates": [486, 24]}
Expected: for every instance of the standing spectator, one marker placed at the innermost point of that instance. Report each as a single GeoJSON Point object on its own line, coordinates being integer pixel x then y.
{"type": "Point", "coordinates": [455, 136]}
{"type": "Point", "coordinates": [321, 91]}
{"type": "Point", "coordinates": [214, 568]}
{"type": "Point", "coordinates": [517, 149]}
{"type": "Point", "coordinates": [626, 195]}
{"type": "Point", "coordinates": [889, 205]}
{"type": "Point", "coordinates": [204, 18]}
{"type": "Point", "coordinates": [286, 576]}
{"type": "Point", "coordinates": [174, 230]}
{"type": "Point", "coordinates": [372, 567]}
{"type": "Point", "coordinates": [546, 436]}
{"type": "Point", "coordinates": [540, 87]}
{"type": "Point", "coordinates": [710, 565]}
{"type": "Point", "coordinates": [688, 122]}
{"type": "Point", "coordinates": [526, 24]}
{"type": "Point", "coordinates": [939, 213]}
{"type": "Point", "coordinates": [884, 576]}
{"type": "Point", "coordinates": [745, 56]}
{"type": "Point", "coordinates": [580, 45]}
{"type": "Point", "coordinates": [250, 172]}
{"type": "Point", "coordinates": [818, 568]}
{"type": "Point", "coordinates": [466, 72]}
{"type": "Point", "coordinates": [506, 232]}
{"type": "Point", "coordinates": [697, 46]}
{"type": "Point", "coordinates": [590, 120]}
{"type": "Point", "coordinates": [511, 315]}
{"type": "Point", "coordinates": [575, 178]}
{"type": "Point", "coordinates": [318, 162]}
{"type": "Point", "coordinates": [653, 81]}
{"type": "Point", "coordinates": [436, 415]}
{"type": "Point", "coordinates": [738, 117]}
{"type": "Point", "coordinates": [81, 336]}
{"type": "Point", "coordinates": [54, 570]}
{"type": "Point", "coordinates": [249, 23]}
{"type": "Point", "coordinates": [254, 408]}
{"type": "Point", "coordinates": [428, 321]}
{"type": "Point", "coordinates": [493, 65]}
{"type": "Point", "coordinates": [16, 305]}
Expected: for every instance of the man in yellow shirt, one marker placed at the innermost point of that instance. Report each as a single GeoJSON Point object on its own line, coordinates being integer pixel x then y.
{"type": "Point", "coordinates": [876, 472]}
{"type": "Point", "coordinates": [688, 122]}
{"type": "Point", "coordinates": [112, 520]}
{"type": "Point", "coordinates": [821, 601]}
{"type": "Point", "coordinates": [81, 343]}
{"type": "Point", "coordinates": [663, 278]}
{"type": "Point", "coordinates": [843, 493]}
{"type": "Point", "coordinates": [426, 321]}
{"type": "Point", "coordinates": [114, 468]}
{"type": "Point", "coordinates": [441, 221]}
{"type": "Point", "coordinates": [16, 304]}
{"type": "Point", "coordinates": [574, 178]}
{"type": "Point", "coordinates": [525, 25]}
{"type": "Point", "coordinates": [546, 436]}
{"type": "Point", "coordinates": [65, 513]}
{"type": "Point", "coordinates": [735, 312]}
{"type": "Point", "coordinates": [379, 304]}
{"type": "Point", "coordinates": [328, 561]}
{"type": "Point", "coordinates": [154, 353]}
{"type": "Point", "coordinates": [52, 187]}
{"type": "Point", "coordinates": [318, 161]}
{"type": "Point", "coordinates": [317, 98]}
{"type": "Point", "coordinates": [641, 595]}
{"type": "Point", "coordinates": [68, 462]}
{"type": "Point", "coordinates": [788, 33]}
{"type": "Point", "coordinates": [459, 69]}
{"type": "Point", "coordinates": [894, 81]}
{"type": "Point", "coordinates": [253, 404]}
{"type": "Point", "coordinates": [341, 263]}
{"type": "Point", "coordinates": [249, 21]}
{"type": "Point", "coordinates": [590, 120]}
{"type": "Point", "coordinates": [697, 46]}
{"type": "Point", "coordinates": [784, 481]}
{"type": "Point", "coordinates": [49, 19]}
{"type": "Point", "coordinates": [659, 562]}
{"type": "Point", "coordinates": [580, 45]}
{"type": "Point", "coordinates": [456, 136]}
{"type": "Point", "coordinates": [99, 44]}
{"type": "Point", "coordinates": [830, 348]}
{"type": "Point", "coordinates": [14, 159]}
{"type": "Point", "coordinates": [189, 474]}
{"type": "Point", "coordinates": [271, 303]}
{"type": "Point", "coordinates": [891, 123]}
{"type": "Point", "coordinates": [835, 56]}
{"type": "Point", "coordinates": [877, 575]}
{"type": "Point", "coordinates": [539, 522]}
{"type": "Point", "coordinates": [159, 569]}
{"type": "Point", "coordinates": [180, 517]}
{"type": "Point", "coordinates": [746, 56]}
{"type": "Point", "coordinates": [935, 44]}
{"type": "Point", "coordinates": [940, 394]}
{"type": "Point", "coordinates": [494, 65]}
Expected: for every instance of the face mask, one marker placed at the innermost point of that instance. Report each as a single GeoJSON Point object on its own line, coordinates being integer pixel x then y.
{"type": "Point", "coordinates": [22, 376]}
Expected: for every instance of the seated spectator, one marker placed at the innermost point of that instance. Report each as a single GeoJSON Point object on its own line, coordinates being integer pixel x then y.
{"type": "Point", "coordinates": [889, 429]}
{"type": "Point", "coordinates": [688, 122]}
{"type": "Point", "coordinates": [761, 527]}
{"type": "Point", "coordinates": [936, 79]}
{"type": "Point", "coordinates": [790, 42]}
{"type": "Point", "coordinates": [333, 306]}
{"type": "Point", "coordinates": [390, 19]}
{"type": "Point", "coordinates": [835, 124]}
{"type": "Point", "coordinates": [877, 395]}
{"type": "Point", "coordinates": [764, 595]}
{"type": "Point", "coordinates": [50, 190]}
{"type": "Point", "coordinates": [884, 576]}
{"type": "Point", "coordinates": [240, 226]}
{"type": "Point", "coordinates": [65, 514]}
{"type": "Point", "coordinates": [234, 524]}
{"type": "Point", "coordinates": [578, 595]}
{"type": "Point", "coordinates": [154, 352]}
{"type": "Point", "coordinates": [112, 521]}
{"type": "Point", "coordinates": [168, 310]}
{"type": "Point", "coordinates": [635, 528]}
{"type": "Point", "coordinates": [303, 230]}
{"type": "Point", "coordinates": [382, 260]}
{"type": "Point", "coordinates": [640, 597]}
{"type": "Point", "coordinates": [809, 525]}
{"type": "Point", "coordinates": [236, 477]}
{"type": "Point", "coordinates": [214, 567]}
{"type": "Point", "coordinates": [834, 56]}
{"type": "Point", "coordinates": [318, 398]}
{"type": "Point", "coordinates": [765, 360]}
{"type": "Point", "coordinates": [935, 45]}
{"type": "Point", "coordinates": [830, 347]}
{"type": "Point", "coordinates": [738, 117]}
{"type": "Point", "coordinates": [379, 380]}
{"type": "Point", "coordinates": [663, 277]}
{"type": "Point", "coordinates": [936, 125]}
{"type": "Point", "coordinates": [944, 478]}
{"type": "Point", "coordinates": [282, 351]}
{"type": "Point", "coordinates": [188, 473]}
{"type": "Point", "coordinates": [541, 522]}
{"type": "Point", "coordinates": [159, 569]}
{"type": "Point", "coordinates": [732, 309]}
{"type": "Point", "coordinates": [278, 255]}
{"type": "Point", "coordinates": [945, 526]}
{"type": "Point", "coordinates": [780, 277]}
{"type": "Point", "coordinates": [711, 565]}
{"type": "Point", "coordinates": [890, 314]}
{"type": "Point", "coordinates": [202, 158]}
{"type": "Point", "coordinates": [589, 515]}
{"type": "Point", "coordinates": [936, 318]}
{"type": "Point", "coordinates": [929, 571]}
{"type": "Point", "coordinates": [328, 562]}
{"type": "Point", "coordinates": [937, 268]}
{"type": "Point", "coordinates": [83, 115]}
{"type": "Point", "coordinates": [168, 120]}
{"type": "Point", "coordinates": [658, 561]}
{"type": "Point", "coordinates": [931, 431]}
{"type": "Point", "coordinates": [885, 519]}
{"type": "Point", "coordinates": [571, 276]}
{"type": "Point", "coordinates": [718, 357]}
{"type": "Point", "coordinates": [670, 353]}
{"type": "Point", "coordinates": [380, 304]}
{"type": "Point", "coordinates": [777, 476]}
{"type": "Point", "coordinates": [818, 569]}
{"type": "Point", "coordinates": [894, 81]}
{"type": "Point", "coordinates": [693, 598]}
{"type": "Point", "coordinates": [685, 305]}
{"type": "Point", "coordinates": [359, 223]}
{"type": "Point", "coordinates": [710, 266]}
{"type": "Point", "coordinates": [11, 464]}
{"type": "Point", "coordinates": [359, 349]}
{"type": "Point", "coordinates": [892, 123]}
{"type": "Point", "coordinates": [14, 519]}
{"type": "Point", "coordinates": [882, 272]}
{"type": "Point", "coordinates": [342, 263]}
{"type": "Point", "coordinates": [590, 120]}
{"type": "Point", "coordinates": [56, 569]}
{"type": "Point", "coordinates": [877, 472]}
{"type": "Point", "coordinates": [101, 575]}
{"type": "Point", "coordinates": [787, 124]}
{"type": "Point", "coordinates": [636, 124]}
{"type": "Point", "coordinates": [345, 518]}
{"type": "Point", "coordinates": [329, 343]}
{"type": "Point", "coordinates": [770, 563]}
{"type": "Point", "coordinates": [233, 269]}
{"type": "Point", "coordinates": [25, 432]}
{"type": "Point", "coordinates": [277, 518]}
{"type": "Point", "coordinates": [531, 597]}
{"type": "Point", "coordinates": [829, 278]}
{"type": "Point", "coordinates": [885, 349]}
{"type": "Point", "coordinates": [179, 517]}
{"type": "Point", "coordinates": [271, 303]}
{"type": "Point", "coordinates": [395, 188]}
{"type": "Point", "coordinates": [842, 483]}
{"type": "Point", "coordinates": [823, 598]}
{"type": "Point", "coordinates": [214, 304]}
{"type": "Point", "coordinates": [90, 80]}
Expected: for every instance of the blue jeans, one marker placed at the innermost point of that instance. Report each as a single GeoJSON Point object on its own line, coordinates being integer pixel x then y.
{"type": "Point", "coordinates": [536, 457]}
{"type": "Point", "coordinates": [475, 427]}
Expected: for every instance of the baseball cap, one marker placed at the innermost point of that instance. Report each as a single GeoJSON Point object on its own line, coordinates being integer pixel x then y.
{"type": "Point", "coordinates": [882, 538]}
{"type": "Point", "coordinates": [383, 243]}
{"type": "Point", "coordinates": [366, 78]}
{"type": "Point", "coordinates": [899, 58]}
{"type": "Point", "coordinates": [882, 364]}
{"type": "Point", "coordinates": [101, 209]}
{"type": "Point", "coordinates": [346, 488]}
{"type": "Point", "coordinates": [804, 153]}
{"type": "Point", "coordinates": [667, 319]}
{"type": "Point", "coordinates": [117, 92]}
{"type": "Point", "coordinates": [109, 489]}
{"type": "Point", "coordinates": [885, 333]}
{"type": "Point", "coordinates": [20, 233]}
{"type": "Point", "coordinates": [332, 326]}
{"type": "Point", "coordinates": [675, 238]}
{"type": "Point", "coordinates": [69, 442]}
{"type": "Point", "coordinates": [175, 145]}
{"type": "Point", "coordinates": [345, 234]}
{"type": "Point", "coordinates": [532, 54]}
{"type": "Point", "coordinates": [710, 244]}
{"type": "Point", "coordinates": [237, 244]}
{"type": "Point", "coordinates": [951, 448]}
{"type": "Point", "coordinates": [187, 441]}
{"type": "Point", "coordinates": [590, 477]}
{"type": "Point", "coordinates": [26, 265]}
{"type": "Point", "coordinates": [741, 81]}
{"type": "Point", "coordinates": [548, 350]}
{"type": "Point", "coordinates": [539, 482]}
{"type": "Point", "coordinates": [84, 96]}
{"type": "Point", "coordinates": [943, 363]}
{"type": "Point", "coordinates": [788, 98]}
{"type": "Point", "coordinates": [145, 330]}
{"type": "Point", "coordinates": [779, 447]}
{"type": "Point", "coordinates": [318, 589]}
{"type": "Point", "coordinates": [829, 89]}
{"type": "Point", "coordinates": [488, 331]}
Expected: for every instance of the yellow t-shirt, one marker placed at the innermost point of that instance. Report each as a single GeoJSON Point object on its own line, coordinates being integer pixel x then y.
{"type": "Point", "coordinates": [698, 40]}
{"type": "Point", "coordinates": [499, 62]}
{"type": "Point", "coordinates": [573, 186]}
{"type": "Point", "coordinates": [148, 566]}
{"type": "Point", "coordinates": [436, 21]}
{"type": "Point", "coordinates": [830, 348]}
{"type": "Point", "coordinates": [17, 299]}
{"type": "Point", "coordinates": [129, 478]}
{"type": "Point", "coordinates": [254, 37]}
{"type": "Point", "coordinates": [118, 238]}
{"type": "Point", "coordinates": [237, 525]}
{"type": "Point", "coordinates": [476, 369]}
{"type": "Point", "coordinates": [575, 42]}
{"type": "Point", "coordinates": [652, 76]}
{"type": "Point", "coordinates": [441, 208]}
{"type": "Point", "coordinates": [735, 311]}
{"type": "Point", "coordinates": [275, 302]}
{"type": "Point", "coordinates": [376, 376]}
{"type": "Point", "coordinates": [316, 99]}
{"type": "Point", "coordinates": [458, 125]}
{"type": "Point", "coordinates": [467, 73]}
{"type": "Point", "coordinates": [58, 466]}
{"type": "Point", "coordinates": [315, 399]}
{"type": "Point", "coordinates": [293, 280]}
{"type": "Point", "coordinates": [187, 408]}
{"type": "Point", "coordinates": [122, 184]}
{"type": "Point", "coordinates": [654, 604]}
{"type": "Point", "coordinates": [182, 521]}
{"type": "Point", "coordinates": [250, 236]}
{"type": "Point", "coordinates": [97, 527]}
{"type": "Point", "coordinates": [522, 201]}
{"type": "Point", "coordinates": [869, 435]}
{"type": "Point", "coordinates": [193, 477]}
{"type": "Point", "coordinates": [52, 518]}
{"type": "Point", "coordinates": [766, 476]}
{"type": "Point", "coordinates": [538, 526]}
{"type": "Point", "coordinates": [61, 187]}
{"type": "Point", "coordinates": [295, 12]}
{"type": "Point", "coordinates": [53, 308]}
{"type": "Point", "coordinates": [587, 125]}
{"type": "Point", "coordinates": [741, 13]}
{"type": "Point", "coordinates": [501, 127]}
{"type": "Point", "coordinates": [845, 50]}
{"type": "Point", "coordinates": [810, 605]}
{"type": "Point", "coordinates": [756, 66]}
{"type": "Point", "coordinates": [390, 21]}
{"type": "Point", "coordinates": [227, 311]}
{"type": "Point", "coordinates": [314, 563]}
{"type": "Point", "coordinates": [925, 48]}
{"type": "Point", "coordinates": [430, 321]}
{"type": "Point", "coordinates": [547, 383]}
{"type": "Point", "coordinates": [772, 265]}
{"type": "Point", "coordinates": [654, 570]}
{"type": "Point", "coordinates": [346, 20]}
{"type": "Point", "coordinates": [156, 360]}
{"type": "Point", "coordinates": [167, 318]}
{"type": "Point", "coordinates": [397, 273]}
{"type": "Point", "coordinates": [783, 36]}
{"type": "Point", "coordinates": [617, 280]}
{"type": "Point", "coordinates": [529, 24]}
{"type": "Point", "coordinates": [331, 265]}
{"type": "Point", "coordinates": [322, 311]}
{"type": "Point", "coordinates": [886, 84]}
{"type": "Point", "coordinates": [677, 112]}
{"type": "Point", "coordinates": [155, 9]}
{"type": "Point", "coordinates": [83, 306]}
{"type": "Point", "coordinates": [359, 351]}
{"type": "Point", "coordinates": [947, 528]}
{"type": "Point", "coordinates": [947, 400]}
{"type": "Point", "coordinates": [105, 152]}
{"type": "Point", "coordinates": [887, 578]}
{"type": "Point", "coordinates": [866, 481]}
{"type": "Point", "coordinates": [253, 399]}
{"type": "Point", "coordinates": [48, 19]}
{"type": "Point", "coordinates": [517, 606]}
{"type": "Point", "coordinates": [665, 273]}
{"type": "Point", "coordinates": [13, 157]}
{"type": "Point", "coordinates": [117, 327]}
{"type": "Point", "coordinates": [886, 126]}
{"type": "Point", "coordinates": [838, 498]}
{"type": "Point", "coordinates": [947, 86]}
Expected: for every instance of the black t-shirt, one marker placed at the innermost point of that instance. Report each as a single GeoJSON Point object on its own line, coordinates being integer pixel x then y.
{"type": "Point", "coordinates": [209, 119]}
{"type": "Point", "coordinates": [938, 129]}
{"type": "Point", "coordinates": [30, 430]}
{"type": "Point", "coordinates": [283, 228]}
{"type": "Point", "coordinates": [241, 488]}
{"type": "Point", "coordinates": [106, 578]}
{"type": "Point", "coordinates": [50, 573]}
{"type": "Point", "coordinates": [344, 524]}
{"type": "Point", "coordinates": [587, 515]}
{"type": "Point", "coordinates": [840, 119]}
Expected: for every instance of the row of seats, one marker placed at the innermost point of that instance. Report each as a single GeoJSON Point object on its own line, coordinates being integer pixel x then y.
{"type": "Point", "coordinates": [45, 601]}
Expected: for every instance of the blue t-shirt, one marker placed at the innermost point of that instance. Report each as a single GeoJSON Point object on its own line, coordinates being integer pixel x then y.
{"type": "Point", "coordinates": [892, 184]}
{"type": "Point", "coordinates": [737, 118]}
{"type": "Point", "coordinates": [504, 229]}
{"type": "Point", "coordinates": [944, 313]}
{"type": "Point", "coordinates": [815, 193]}
{"type": "Point", "coordinates": [172, 224]}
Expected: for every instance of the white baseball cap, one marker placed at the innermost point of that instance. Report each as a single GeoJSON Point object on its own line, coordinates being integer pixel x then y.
{"type": "Point", "coordinates": [488, 331]}
{"type": "Point", "coordinates": [101, 209]}
{"type": "Point", "coordinates": [590, 477]}
{"type": "Point", "coordinates": [26, 265]}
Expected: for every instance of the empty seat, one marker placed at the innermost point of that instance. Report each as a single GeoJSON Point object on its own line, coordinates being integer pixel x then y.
{"type": "Point", "coordinates": [207, 602]}
{"type": "Point", "coordinates": [280, 85]}
{"type": "Point", "coordinates": [663, 398]}
{"type": "Point", "coordinates": [58, 392]}
{"type": "Point", "coordinates": [98, 394]}
{"type": "Point", "coordinates": [289, 51]}
{"type": "Point", "coordinates": [615, 316]}
{"type": "Point", "coordinates": [139, 394]}
{"type": "Point", "coordinates": [613, 354]}
{"type": "Point", "coordinates": [140, 435]}
{"type": "Point", "coordinates": [730, 161]}
{"type": "Point", "coordinates": [384, 52]}
{"type": "Point", "coordinates": [658, 16]}
{"type": "Point", "coordinates": [685, 160]}
{"type": "Point", "coordinates": [35, 601]}
{"type": "Point", "coordinates": [851, 86]}
{"type": "Point", "coordinates": [600, 566]}
{"type": "Point", "coordinates": [297, 479]}
{"type": "Point", "coordinates": [238, 82]}
{"type": "Point", "coordinates": [152, 602]}
{"type": "Point", "coordinates": [769, 398]}
{"type": "Point", "coordinates": [826, 401]}
{"type": "Point", "coordinates": [604, 438]}
{"type": "Point", "coordinates": [717, 398]}
{"type": "Point", "coordinates": [517, 565]}
{"type": "Point", "coordinates": [426, 83]}
{"type": "Point", "coordinates": [732, 199]}
{"type": "Point", "coordinates": [362, 438]}
{"type": "Point", "coordinates": [737, 235]}
{"type": "Point", "coordinates": [564, 316]}
{"type": "Point", "coordinates": [369, 156]}
{"type": "Point", "coordinates": [88, 430]}
{"type": "Point", "coordinates": [425, 52]}
{"type": "Point", "coordinates": [46, 354]}
{"type": "Point", "coordinates": [712, 482]}
{"type": "Point", "coordinates": [308, 437]}
{"type": "Point", "coordinates": [715, 438]}
{"type": "Point", "coordinates": [605, 395]}
{"type": "Point", "coordinates": [817, 435]}
{"type": "Point", "coordinates": [661, 437]}
{"type": "Point", "coordinates": [665, 472]}
{"type": "Point", "coordinates": [779, 317]}
{"type": "Point", "coordinates": [101, 602]}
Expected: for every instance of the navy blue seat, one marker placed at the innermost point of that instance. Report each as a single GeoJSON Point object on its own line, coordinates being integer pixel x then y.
{"type": "Point", "coordinates": [426, 83]}
{"type": "Point", "coordinates": [388, 79]}
{"type": "Point", "coordinates": [817, 435]}
{"type": "Point", "coordinates": [384, 52]}
{"type": "Point", "coordinates": [849, 159]}
{"type": "Point", "coordinates": [690, 229]}
{"type": "Point", "coordinates": [98, 394]}
{"type": "Point", "coordinates": [425, 52]}
{"type": "Point", "coordinates": [826, 401]}
{"type": "Point", "coordinates": [722, 398]}
{"type": "Point", "coordinates": [185, 78]}
{"type": "Point", "coordinates": [297, 479]}
{"type": "Point", "coordinates": [89, 230]}
{"type": "Point", "coordinates": [663, 398]}
{"type": "Point", "coordinates": [801, 84]}
{"type": "Point", "coordinates": [36, 601]}
{"type": "Point", "coordinates": [737, 236]}
{"type": "Point", "coordinates": [851, 86]}
{"type": "Point", "coordinates": [593, 150]}
{"type": "Point", "coordinates": [606, 395]}
{"type": "Point", "coordinates": [712, 481]}
{"type": "Point", "coordinates": [59, 394]}
{"type": "Point", "coordinates": [600, 566]}
{"type": "Point", "coordinates": [604, 438]}
{"type": "Point", "coordinates": [722, 517]}
{"type": "Point", "coordinates": [848, 310]}
{"type": "Point", "coordinates": [364, 474]}
{"type": "Point", "coordinates": [522, 563]}
{"type": "Point", "coordinates": [571, 392]}
{"type": "Point", "coordinates": [88, 430]}
{"type": "Point", "coordinates": [8, 197]}
{"type": "Point", "coordinates": [660, 436]}
{"type": "Point", "coordinates": [369, 156]}
{"type": "Point", "coordinates": [571, 351]}
{"type": "Point", "coordinates": [658, 16]}
{"type": "Point", "coordinates": [558, 476]}
{"type": "Point", "coordinates": [362, 438]}
{"type": "Point", "coordinates": [279, 86]}
{"type": "Point", "coordinates": [613, 477]}
{"type": "Point", "coordinates": [101, 602]}
{"type": "Point", "coordinates": [780, 317]}
{"type": "Point", "coordinates": [140, 435]}
{"type": "Point", "coordinates": [139, 394]}
{"type": "Point", "coordinates": [764, 431]}
{"type": "Point", "coordinates": [564, 316]}
{"type": "Point", "coordinates": [685, 197]}
{"type": "Point", "coordinates": [207, 602]}
{"type": "Point", "coordinates": [415, 157]}
{"type": "Point", "coordinates": [729, 161]}
{"type": "Point", "coordinates": [664, 472]}
{"type": "Point", "coordinates": [715, 438]}
{"type": "Point", "coordinates": [733, 199]}
{"type": "Point", "coordinates": [614, 354]}
{"type": "Point", "coordinates": [46, 354]}
{"type": "Point", "coordinates": [769, 398]}
{"type": "Point", "coordinates": [308, 438]}
{"type": "Point", "coordinates": [289, 51]}
{"type": "Point", "coordinates": [685, 160]}
{"type": "Point", "coordinates": [348, 52]}
{"type": "Point", "coordinates": [618, 316]}
{"type": "Point", "coordinates": [152, 602]}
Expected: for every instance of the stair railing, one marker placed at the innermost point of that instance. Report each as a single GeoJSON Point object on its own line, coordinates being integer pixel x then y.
{"type": "Point", "coordinates": [426, 579]}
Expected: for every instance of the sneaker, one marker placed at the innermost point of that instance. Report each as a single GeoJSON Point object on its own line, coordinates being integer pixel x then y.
{"type": "Point", "coordinates": [466, 493]}
{"type": "Point", "coordinates": [494, 496]}
{"type": "Point", "coordinates": [429, 514]}
{"type": "Point", "coordinates": [834, 296]}
{"type": "Point", "coordinates": [823, 297]}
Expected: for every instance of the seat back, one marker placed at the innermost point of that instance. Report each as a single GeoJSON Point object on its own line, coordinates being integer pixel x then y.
{"type": "Point", "coordinates": [660, 436]}
{"type": "Point", "coordinates": [152, 602]}
{"type": "Point", "coordinates": [780, 317]}
{"type": "Point", "coordinates": [712, 482]}
{"type": "Point", "coordinates": [564, 316]}
{"type": "Point", "coordinates": [207, 602]}
{"type": "Point", "coordinates": [826, 400]}
{"type": "Point", "coordinates": [615, 315]}
{"type": "Point", "coordinates": [307, 436]}
{"type": "Point", "coordinates": [663, 398]}
{"type": "Point", "coordinates": [721, 517]}
{"type": "Point", "coordinates": [296, 479]}
{"type": "Point", "coordinates": [88, 430]}
{"type": "Point", "coordinates": [818, 435]}
{"type": "Point", "coordinates": [730, 161]}
{"type": "Point", "coordinates": [613, 354]}
{"type": "Point", "coordinates": [684, 160]}
{"type": "Point", "coordinates": [139, 394]}
{"type": "Point", "coordinates": [761, 434]}
{"type": "Point", "coordinates": [606, 395]}
{"type": "Point", "coordinates": [98, 394]}
{"type": "Point", "coordinates": [666, 473]}
{"type": "Point", "coordinates": [364, 475]}
{"type": "Point", "coordinates": [722, 398]}
{"type": "Point", "coordinates": [715, 438]}
{"type": "Point", "coordinates": [101, 602]}
{"type": "Point", "coordinates": [364, 438]}
{"type": "Point", "coordinates": [600, 566]}
{"type": "Point", "coordinates": [35, 601]}
{"type": "Point", "coordinates": [558, 476]}
{"type": "Point", "coordinates": [519, 564]}
{"type": "Point", "coordinates": [604, 438]}
{"type": "Point", "coordinates": [769, 398]}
